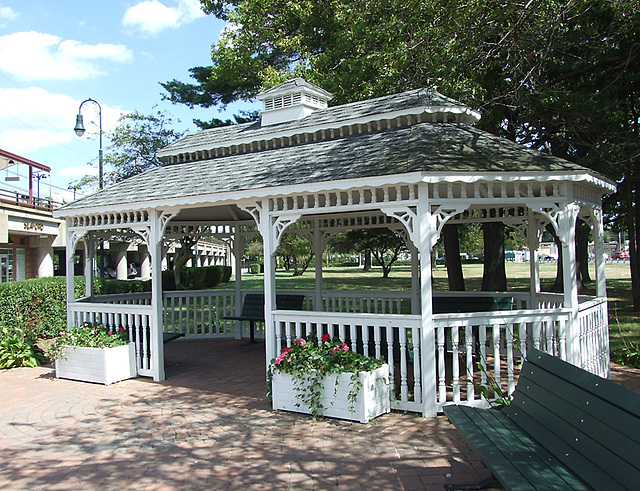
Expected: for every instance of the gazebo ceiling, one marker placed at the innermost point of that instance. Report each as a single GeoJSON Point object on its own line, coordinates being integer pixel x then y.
{"type": "Point", "coordinates": [404, 150]}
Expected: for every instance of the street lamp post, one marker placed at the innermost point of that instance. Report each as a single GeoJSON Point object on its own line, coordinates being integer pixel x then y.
{"type": "Point", "coordinates": [79, 129]}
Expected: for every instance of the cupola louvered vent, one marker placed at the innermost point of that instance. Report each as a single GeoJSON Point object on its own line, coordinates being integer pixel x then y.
{"type": "Point", "coordinates": [292, 100]}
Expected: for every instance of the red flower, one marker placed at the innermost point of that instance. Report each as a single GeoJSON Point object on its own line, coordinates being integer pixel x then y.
{"type": "Point", "coordinates": [345, 347]}
{"type": "Point", "coordinates": [326, 337]}
{"type": "Point", "coordinates": [121, 329]}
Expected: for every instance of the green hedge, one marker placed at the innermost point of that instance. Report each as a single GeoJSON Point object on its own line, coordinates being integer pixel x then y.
{"type": "Point", "coordinates": [35, 308]}
{"type": "Point", "coordinates": [109, 287]}
{"type": "Point", "coordinates": [197, 278]}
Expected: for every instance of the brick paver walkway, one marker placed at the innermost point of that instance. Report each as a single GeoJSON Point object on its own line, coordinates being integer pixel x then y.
{"type": "Point", "coordinates": [209, 426]}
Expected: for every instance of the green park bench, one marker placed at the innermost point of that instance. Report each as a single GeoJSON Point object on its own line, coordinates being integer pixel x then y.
{"type": "Point", "coordinates": [565, 429]}
{"type": "Point", "coordinates": [253, 308]}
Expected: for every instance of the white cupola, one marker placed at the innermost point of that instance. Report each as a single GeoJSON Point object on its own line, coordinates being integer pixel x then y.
{"type": "Point", "coordinates": [292, 100]}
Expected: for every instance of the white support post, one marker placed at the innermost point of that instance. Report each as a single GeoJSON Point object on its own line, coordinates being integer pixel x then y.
{"type": "Point", "coordinates": [533, 243]}
{"type": "Point", "coordinates": [89, 260]}
{"type": "Point", "coordinates": [268, 232]}
{"type": "Point", "coordinates": [426, 232]}
{"type": "Point", "coordinates": [415, 279]}
{"type": "Point", "coordinates": [70, 258]}
{"type": "Point", "coordinates": [238, 250]}
{"type": "Point", "coordinates": [566, 232]}
{"type": "Point", "coordinates": [318, 249]}
{"type": "Point", "coordinates": [154, 246]}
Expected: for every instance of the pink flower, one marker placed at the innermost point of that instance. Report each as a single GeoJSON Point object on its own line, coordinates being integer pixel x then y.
{"type": "Point", "coordinates": [286, 351]}
{"type": "Point", "coordinates": [289, 360]}
{"type": "Point", "coordinates": [300, 342]}
{"type": "Point", "coordinates": [335, 349]}
{"type": "Point", "coordinates": [326, 337]}
{"type": "Point", "coordinates": [345, 347]}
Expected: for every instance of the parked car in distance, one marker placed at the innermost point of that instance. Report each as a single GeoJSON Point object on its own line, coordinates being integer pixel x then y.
{"type": "Point", "coordinates": [133, 270]}
{"type": "Point", "coordinates": [619, 255]}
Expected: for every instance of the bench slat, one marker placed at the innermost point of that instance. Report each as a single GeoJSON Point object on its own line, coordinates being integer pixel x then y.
{"type": "Point", "coordinates": [605, 410]}
{"type": "Point", "coordinates": [605, 389]}
{"type": "Point", "coordinates": [516, 460]}
{"type": "Point", "coordinates": [584, 414]}
{"type": "Point", "coordinates": [556, 414]}
{"type": "Point", "coordinates": [569, 456]}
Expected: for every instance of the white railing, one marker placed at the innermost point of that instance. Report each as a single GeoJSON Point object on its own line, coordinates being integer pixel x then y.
{"type": "Point", "coordinates": [135, 319]}
{"type": "Point", "coordinates": [373, 302]}
{"type": "Point", "coordinates": [498, 341]}
{"type": "Point", "coordinates": [488, 348]}
{"type": "Point", "coordinates": [200, 314]}
{"type": "Point", "coordinates": [593, 345]}
{"type": "Point", "coordinates": [139, 298]}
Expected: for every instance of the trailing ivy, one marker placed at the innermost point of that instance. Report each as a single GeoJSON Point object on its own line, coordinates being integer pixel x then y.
{"type": "Point", "coordinates": [309, 361]}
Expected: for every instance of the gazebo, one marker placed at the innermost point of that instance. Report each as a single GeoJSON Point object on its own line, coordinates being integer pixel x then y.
{"type": "Point", "coordinates": [411, 162]}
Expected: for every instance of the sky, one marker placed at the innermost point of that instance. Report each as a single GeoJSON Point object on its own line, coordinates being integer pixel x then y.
{"type": "Point", "coordinates": [54, 54]}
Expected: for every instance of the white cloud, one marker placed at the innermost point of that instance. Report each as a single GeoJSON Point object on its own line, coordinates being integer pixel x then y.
{"type": "Point", "coordinates": [40, 56]}
{"type": "Point", "coordinates": [34, 118]}
{"type": "Point", "coordinates": [7, 13]}
{"type": "Point", "coordinates": [151, 17]}
{"type": "Point", "coordinates": [78, 171]}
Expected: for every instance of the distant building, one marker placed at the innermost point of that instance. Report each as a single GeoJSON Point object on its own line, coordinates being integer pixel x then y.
{"type": "Point", "coordinates": [30, 238]}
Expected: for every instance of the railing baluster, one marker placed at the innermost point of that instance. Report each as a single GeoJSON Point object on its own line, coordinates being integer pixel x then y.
{"type": "Point", "coordinates": [511, 386]}
{"type": "Point", "coordinates": [496, 355]}
{"type": "Point", "coordinates": [404, 388]}
{"type": "Point", "coordinates": [455, 365]}
{"type": "Point", "coordinates": [468, 337]}
{"type": "Point", "coordinates": [442, 387]}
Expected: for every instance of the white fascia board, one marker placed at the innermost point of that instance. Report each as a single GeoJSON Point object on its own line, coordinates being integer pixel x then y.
{"type": "Point", "coordinates": [234, 197]}
{"type": "Point", "coordinates": [584, 177]}
{"type": "Point", "coordinates": [51, 220]}
{"type": "Point", "coordinates": [472, 116]}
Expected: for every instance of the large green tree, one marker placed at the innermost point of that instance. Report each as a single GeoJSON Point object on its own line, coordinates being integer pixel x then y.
{"type": "Point", "coordinates": [559, 76]}
{"type": "Point", "coordinates": [383, 244]}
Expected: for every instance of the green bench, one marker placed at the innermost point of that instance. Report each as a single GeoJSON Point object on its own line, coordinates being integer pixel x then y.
{"type": "Point", "coordinates": [253, 309]}
{"type": "Point", "coordinates": [446, 304]}
{"type": "Point", "coordinates": [565, 429]}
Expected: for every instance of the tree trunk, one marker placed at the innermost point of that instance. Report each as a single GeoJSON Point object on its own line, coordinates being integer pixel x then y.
{"type": "Point", "coordinates": [633, 229]}
{"type": "Point", "coordinates": [367, 260]}
{"type": "Point", "coordinates": [558, 284]}
{"type": "Point", "coordinates": [494, 276]}
{"type": "Point", "coordinates": [582, 253]}
{"type": "Point", "coordinates": [182, 256]}
{"type": "Point", "coordinates": [455, 276]}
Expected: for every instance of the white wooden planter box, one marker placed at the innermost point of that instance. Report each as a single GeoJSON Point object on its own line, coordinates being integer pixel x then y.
{"type": "Point", "coordinates": [99, 365]}
{"type": "Point", "coordinates": [372, 401]}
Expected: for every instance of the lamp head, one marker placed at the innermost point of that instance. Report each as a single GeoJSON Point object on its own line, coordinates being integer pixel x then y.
{"type": "Point", "coordinates": [79, 129]}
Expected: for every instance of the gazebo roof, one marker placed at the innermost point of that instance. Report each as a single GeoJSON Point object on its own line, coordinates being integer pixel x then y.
{"type": "Point", "coordinates": [402, 147]}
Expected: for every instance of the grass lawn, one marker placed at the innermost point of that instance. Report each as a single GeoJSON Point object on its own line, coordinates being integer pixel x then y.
{"type": "Point", "coordinates": [624, 324]}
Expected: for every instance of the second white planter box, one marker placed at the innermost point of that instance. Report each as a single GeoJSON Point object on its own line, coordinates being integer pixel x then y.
{"type": "Point", "coordinates": [99, 365]}
{"type": "Point", "coordinates": [372, 399]}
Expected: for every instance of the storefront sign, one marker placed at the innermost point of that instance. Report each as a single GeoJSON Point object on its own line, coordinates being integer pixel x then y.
{"type": "Point", "coordinates": [33, 226]}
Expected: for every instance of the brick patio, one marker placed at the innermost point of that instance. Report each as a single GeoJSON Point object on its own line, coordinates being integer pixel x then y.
{"type": "Point", "coordinates": [209, 426]}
